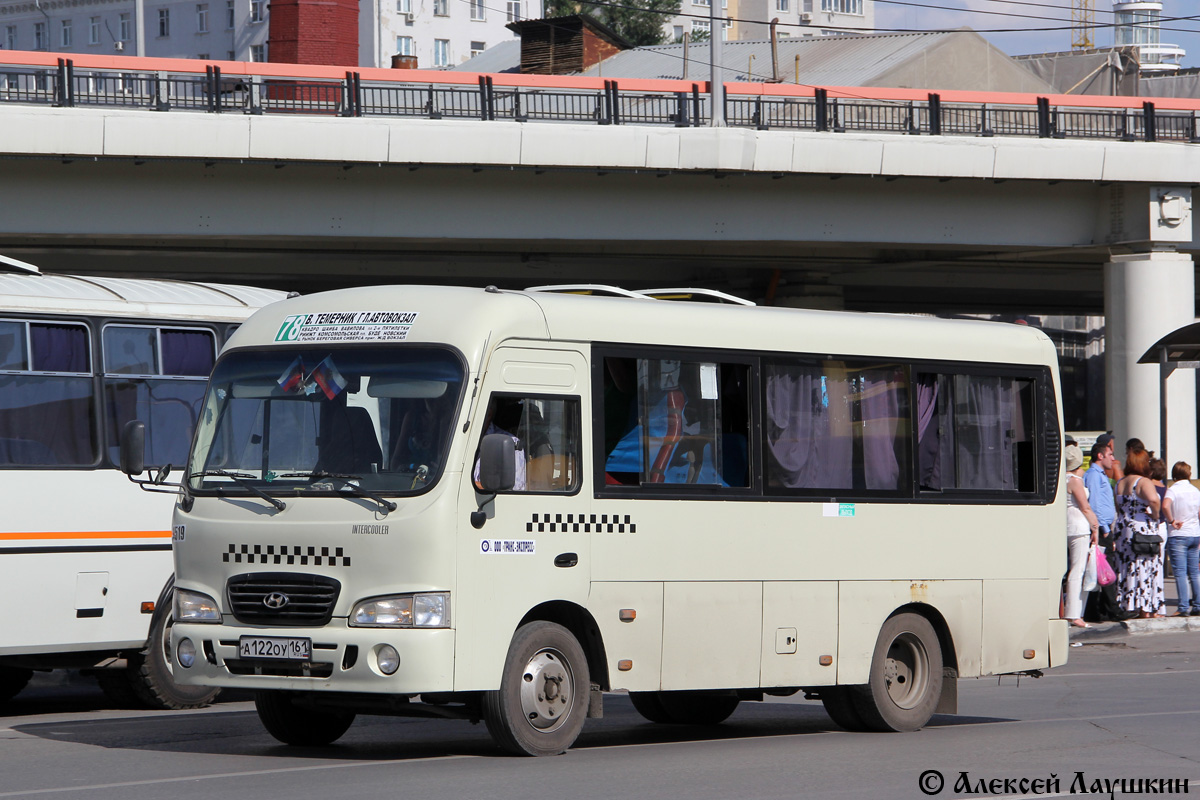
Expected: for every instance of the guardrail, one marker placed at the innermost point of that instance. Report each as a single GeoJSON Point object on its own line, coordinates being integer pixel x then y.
{"type": "Point", "coordinates": [234, 87]}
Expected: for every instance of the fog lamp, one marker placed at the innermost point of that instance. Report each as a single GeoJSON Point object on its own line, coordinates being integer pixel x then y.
{"type": "Point", "coordinates": [387, 658]}
{"type": "Point", "coordinates": [185, 653]}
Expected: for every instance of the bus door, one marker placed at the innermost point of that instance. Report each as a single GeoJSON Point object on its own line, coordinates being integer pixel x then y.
{"type": "Point", "coordinates": [534, 542]}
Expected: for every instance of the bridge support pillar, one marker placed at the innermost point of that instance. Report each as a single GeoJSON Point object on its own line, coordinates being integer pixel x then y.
{"type": "Point", "coordinates": [1146, 296]}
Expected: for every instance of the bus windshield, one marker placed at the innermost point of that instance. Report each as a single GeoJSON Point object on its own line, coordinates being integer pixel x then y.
{"type": "Point", "coordinates": [327, 420]}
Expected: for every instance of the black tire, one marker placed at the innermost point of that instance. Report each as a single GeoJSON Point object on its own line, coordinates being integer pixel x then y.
{"type": "Point", "coordinates": [296, 725]}
{"type": "Point", "coordinates": [151, 672]}
{"type": "Point", "coordinates": [12, 681]}
{"type": "Point", "coordinates": [542, 701]}
{"type": "Point", "coordinates": [649, 705]}
{"type": "Point", "coordinates": [906, 676]}
{"type": "Point", "coordinates": [839, 705]}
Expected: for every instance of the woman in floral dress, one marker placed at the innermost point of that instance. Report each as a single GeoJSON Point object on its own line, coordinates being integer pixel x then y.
{"type": "Point", "coordinates": [1139, 578]}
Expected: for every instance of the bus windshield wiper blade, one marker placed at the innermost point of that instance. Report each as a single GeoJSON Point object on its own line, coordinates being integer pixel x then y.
{"type": "Point", "coordinates": [346, 483]}
{"type": "Point", "coordinates": [243, 480]}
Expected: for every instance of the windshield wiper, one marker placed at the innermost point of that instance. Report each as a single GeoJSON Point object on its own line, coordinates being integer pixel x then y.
{"type": "Point", "coordinates": [354, 488]}
{"type": "Point", "coordinates": [242, 479]}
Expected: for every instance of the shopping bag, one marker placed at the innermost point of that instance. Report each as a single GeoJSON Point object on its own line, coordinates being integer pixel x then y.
{"type": "Point", "coordinates": [1089, 572]}
{"type": "Point", "coordinates": [1104, 571]}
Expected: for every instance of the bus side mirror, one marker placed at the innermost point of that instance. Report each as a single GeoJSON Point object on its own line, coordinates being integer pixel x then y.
{"type": "Point", "coordinates": [133, 447]}
{"type": "Point", "coordinates": [497, 463]}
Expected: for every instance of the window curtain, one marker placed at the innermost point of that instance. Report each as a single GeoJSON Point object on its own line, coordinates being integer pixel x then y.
{"type": "Point", "coordinates": [883, 407]}
{"type": "Point", "coordinates": [187, 352]}
{"type": "Point", "coordinates": [985, 411]}
{"type": "Point", "coordinates": [808, 441]}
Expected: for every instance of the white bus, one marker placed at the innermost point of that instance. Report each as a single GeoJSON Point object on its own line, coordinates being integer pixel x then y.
{"type": "Point", "coordinates": [85, 556]}
{"type": "Point", "coordinates": [498, 505]}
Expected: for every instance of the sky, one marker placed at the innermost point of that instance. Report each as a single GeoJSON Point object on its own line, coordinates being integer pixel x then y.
{"type": "Point", "coordinates": [1030, 20]}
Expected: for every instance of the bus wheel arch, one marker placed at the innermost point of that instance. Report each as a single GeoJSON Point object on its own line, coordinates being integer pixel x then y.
{"type": "Point", "coordinates": [906, 677]}
{"type": "Point", "coordinates": [948, 701]}
{"type": "Point", "coordinates": [580, 622]}
{"type": "Point", "coordinates": [151, 672]}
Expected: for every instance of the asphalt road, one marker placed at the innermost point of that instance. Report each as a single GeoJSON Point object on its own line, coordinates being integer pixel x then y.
{"type": "Point", "coordinates": [1126, 707]}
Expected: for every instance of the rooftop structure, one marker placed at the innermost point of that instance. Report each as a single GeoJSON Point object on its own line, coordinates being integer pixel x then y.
{"type": "Point", "coordinates": [1138, 24]}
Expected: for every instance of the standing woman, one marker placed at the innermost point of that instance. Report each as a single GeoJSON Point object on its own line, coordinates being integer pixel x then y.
{"type": "Point", "coordinates": [1082, 532]}
{"type": "Point", "coordinates": [1182, 511]}
{"type": "Point", "coordinates": [1139, 578]}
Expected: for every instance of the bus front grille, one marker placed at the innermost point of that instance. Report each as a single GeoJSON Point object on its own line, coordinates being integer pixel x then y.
{"type": "Point", "coordinates": [282, 598]}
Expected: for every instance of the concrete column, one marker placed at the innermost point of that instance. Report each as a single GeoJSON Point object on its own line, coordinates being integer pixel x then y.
{"type": "Point", "coordinates": [1146, 296]}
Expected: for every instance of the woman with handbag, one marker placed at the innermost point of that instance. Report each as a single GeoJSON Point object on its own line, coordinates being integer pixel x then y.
{"type": "Point", "coordinates": [1137, 543]}
{"type": "Point", "coordinates": [1083, 529]}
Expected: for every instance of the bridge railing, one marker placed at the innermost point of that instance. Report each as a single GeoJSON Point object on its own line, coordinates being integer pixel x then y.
{"type": "Point", "coordinates": [169, 85]}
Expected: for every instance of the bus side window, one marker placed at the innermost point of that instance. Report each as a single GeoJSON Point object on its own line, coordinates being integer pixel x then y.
{"type": "Point", "coordinates": [546, 432]}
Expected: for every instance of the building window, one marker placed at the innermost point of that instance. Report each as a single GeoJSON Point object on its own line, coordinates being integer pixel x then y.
{"type": "Point", "coordinates": [677, 33]}
{"type": "Point", "coordinates": [232, 56]}
{"type": "Point", "coordinates": [514, 10]}
{"type": "Point", "coordinates": [164, 22]}
{"type": "Point", "coordinates": [256, 11]}
{"type": "Point", "coordinates": [477, 48]}
{"type": "Point", "coordinates": [477, 10]}
{"type": "Point", "coordinates": [441, 52]}
{"type": "Point", "coordinates": [783, 5]}
{"type": "Point", "coordinates": [404, 46]}
{"type": "Point", "coordinates": [404, 7]}
{"type": "Point", "coordinates": [125, 30]}
{"type": "Point", "coordinates": [64, 31]}
{"type": "Point", "coordinates": [10, 37]}
{"type": "Point", "coordinates": [440, 8]}
{"type": "Point", "coordinates": [230, 18]}
{"type": "Point", "coordinates": [202, 18]}
{"type": "Point", "coordinates": [843, 6]}
{"type": "Point", "coordinates": [202, 57]}
{"type": "Point", "coordinates": [700, 26]}
{"type": "Point", "coordinates": [94, 30]}
{"type": "Point", "coordinates": [39, 36]}
{"type": "Point", "coordinates": [258, 53]}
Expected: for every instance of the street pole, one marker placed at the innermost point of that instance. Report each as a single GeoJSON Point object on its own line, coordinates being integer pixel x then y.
{"type": "Point", "coordinates": [139, 23]}
{"type": "Point", "coordinates": [716, 72]}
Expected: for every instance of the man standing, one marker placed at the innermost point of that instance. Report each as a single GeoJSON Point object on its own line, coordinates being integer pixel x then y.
{"type": "Point", "coordinates": [1100, 497]}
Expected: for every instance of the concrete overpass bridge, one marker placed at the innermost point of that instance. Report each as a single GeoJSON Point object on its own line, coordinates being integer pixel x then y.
{"type": "Point", "coordinates": [869, 199]}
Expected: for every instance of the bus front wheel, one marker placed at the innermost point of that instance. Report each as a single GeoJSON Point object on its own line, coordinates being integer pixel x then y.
{"type": "Point", "coordinates": [541, 704]}
{"type": "Point", "coordinates": [297, 725]}
{"type": "Point", "coordinates": [906, 676]}
{"type": "Point", "coordinates": [12, 681]}
{"type": "Point", "coordinates": [151, 672]}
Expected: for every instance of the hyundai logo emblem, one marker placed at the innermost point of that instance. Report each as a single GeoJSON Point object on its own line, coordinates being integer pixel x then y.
{"type": "Point", "coordinates": [275, 600]}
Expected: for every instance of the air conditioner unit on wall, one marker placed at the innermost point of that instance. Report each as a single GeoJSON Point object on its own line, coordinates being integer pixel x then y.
{"type": "Point", "coordinates": [118, 46]}
{"type": "Point", "coordinates": [408, 17]}
{"type": "Point", "coordinates": [805, 18]}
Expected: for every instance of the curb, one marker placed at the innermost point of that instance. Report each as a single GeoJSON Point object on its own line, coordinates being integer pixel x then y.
{"type": "Point", "coordinates": [1135, 627]}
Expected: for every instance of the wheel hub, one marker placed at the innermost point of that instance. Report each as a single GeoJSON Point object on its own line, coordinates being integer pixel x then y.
{"type": "Point", "coordinates": [906, 671]}
{"type": "Point", "coordinates": [547, 690]}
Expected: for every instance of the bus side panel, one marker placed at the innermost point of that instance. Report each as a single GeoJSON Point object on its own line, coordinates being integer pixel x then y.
{"type": "Point", "coordinates": [1015, 620]}
{"type": "Point", "coordinates": [711, 634]}
{"type": "Point", "coordinates": [76, 573]}
{"type": "Point", "coordinates": [863, 607]}
{"type": "Point", "coordinates": [638, 641]}
{"type": "Point", "coordinates": [799, 626]}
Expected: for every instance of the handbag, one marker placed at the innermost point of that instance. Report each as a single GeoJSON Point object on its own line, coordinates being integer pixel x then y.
{"type": "Point", "coordinates": [1145, 544]}
{"type": "Point", "coordinates": [1104, 572]}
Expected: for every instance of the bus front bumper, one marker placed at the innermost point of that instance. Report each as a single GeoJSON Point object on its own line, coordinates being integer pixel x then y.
{"type": "Point", "coordinates": [342, 659]}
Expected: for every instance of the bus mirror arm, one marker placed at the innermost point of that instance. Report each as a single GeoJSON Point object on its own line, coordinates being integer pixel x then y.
{"type": "Point", "coordinates": [479, 517]}
{"type": "Point", "coordinates": [133, 459]}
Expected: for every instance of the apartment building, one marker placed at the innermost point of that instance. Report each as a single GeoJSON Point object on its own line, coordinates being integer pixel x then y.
{"type": "Point", "coordinates": [749, 19]}
{"type": "Point", "coordinates": [439, 33]}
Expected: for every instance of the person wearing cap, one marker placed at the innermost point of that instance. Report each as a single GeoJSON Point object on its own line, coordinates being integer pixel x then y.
{"type": "Point", "coordinates": [1082, 531]}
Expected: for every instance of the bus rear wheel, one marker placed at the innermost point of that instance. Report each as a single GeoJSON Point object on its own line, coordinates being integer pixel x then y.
{"type": "Point", "coordinates": [12, 681]}
{"type": "Point", "coordinates": [906, 676]}
{"type": "Point", "coordinates": [684, 708]}
{"type": "Point", "coordinates": [297, 725]}
{"type": "Point", "coordinates": [541, 704]}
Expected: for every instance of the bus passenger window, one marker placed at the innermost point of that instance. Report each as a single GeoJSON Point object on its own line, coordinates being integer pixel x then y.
{"type": "Point", "coordinates": [546, 432]}
{"type": "Point", "coordinates": [675, 422]}
{"type": "Point", "coordinates": [837, 425]}
{"type": "Point", "coordinates": [49, 407]}
{"type": "Point", "coordinates": [975, 432]}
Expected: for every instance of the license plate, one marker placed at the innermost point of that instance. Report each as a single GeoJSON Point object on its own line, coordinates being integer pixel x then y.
{"type": "Point", "coordinates": [275, 647]}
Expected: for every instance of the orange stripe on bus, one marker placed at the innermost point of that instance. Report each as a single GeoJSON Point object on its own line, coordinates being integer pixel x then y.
{"type": "Point", "coordinates": [32, 535]}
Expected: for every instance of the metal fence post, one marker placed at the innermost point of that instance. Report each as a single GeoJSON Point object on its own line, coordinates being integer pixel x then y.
{"type": "Point", "coordinates": [162, 92]}
{"type": "Point", "coordinates": [935, 114]}
{"type": "Point", "coordinates": [616, 103]}
{"type": "Point", "coordinates": [518, 115]}
{"type": "Point", "coordinates": [681, 110]}
{"type": "Point", "coordinates": [352, 96]}
{"type": "Point", "coordinates": [62, 85]}
{"type": "Point", "coordinates": [1192, 133]}
{"type": "Point", "coordinates": [431, 105]}
{"type": "Point", "coordinates": [254, 99]}
{"type": "Point", "coordinates": [984, 128]}
{"type": "Point", "coordinates": [1043, 117]}
{"type": "Point", "coordinates": [487, 98]}
{"type": "Point", "coordinates": [822, 110]}
{"type": "Point", "coordinates": [696, 105]}
{"type": "Point", "coordinates": [1151, 122]}
{"type": "Point", "coordinates": [212, 75]}
{"type": "Point", "coordinates": [760, 121]}
{"type": "Point", "coordinates": [913, 126]}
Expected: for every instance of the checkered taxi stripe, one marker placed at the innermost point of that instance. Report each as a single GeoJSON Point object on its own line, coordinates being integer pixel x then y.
{"type": "Point", "coordinates": [284, 554]}
{"type": "Point", "coordinates": [581, 523]}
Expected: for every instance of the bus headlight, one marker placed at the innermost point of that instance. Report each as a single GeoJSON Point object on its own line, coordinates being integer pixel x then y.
{"type": "Point", "coordinates": [430, 610]}
{"type": "Point", "coordinates": [195, 607]}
